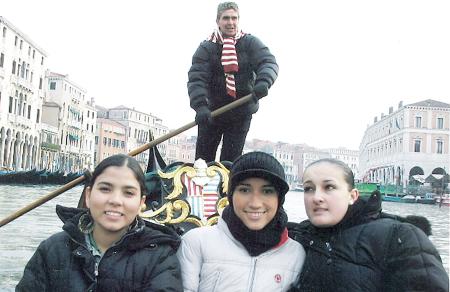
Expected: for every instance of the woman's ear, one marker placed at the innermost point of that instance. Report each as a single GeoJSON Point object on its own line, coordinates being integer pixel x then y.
{"type": "Point", "coordinates": [143, 205]}
{"type": "Point", "coordinates": [354, 195]}
{"type": "Point", "coordinates": [87, 197]}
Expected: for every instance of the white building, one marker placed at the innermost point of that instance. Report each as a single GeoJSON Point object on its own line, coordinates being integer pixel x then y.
{"type": "Point", "coordinates": [350, 157]}
{"type": "Point", "coordinates": [413, 140]}
{"type": "Point", "coordinates": [285, 154]}
{"type": "Point", "coordinates": [50, 146]}
{"type": "Point", "coordinates": [139, 125]}
{"type": "Point", "coordinates": [22, 75]}
{"type": "Point", "coordinates": [77, 118]}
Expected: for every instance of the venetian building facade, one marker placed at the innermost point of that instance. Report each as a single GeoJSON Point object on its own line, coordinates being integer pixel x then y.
{"type": "Point", "coordinates": [77, 122]}
{"type": "Point", "coordinates": [181, 148]}
{"type": "Point", "coordinates": [138, 126]}
{"type": "Point", "coordinates": [110, 139]}
{"type": "Point", "coordinates": [350, 157]}
{"type": "Point", "coordinates": [413, 140]}
{"type": "Point", "coordinates": [50, 146]}
{"type": "Point", "coordinates": [285, 154]}
{"type": "Point", "coordinates": [22, 91]}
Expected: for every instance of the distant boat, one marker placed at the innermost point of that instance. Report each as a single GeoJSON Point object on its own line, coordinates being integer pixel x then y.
{"type": "Point", "coordinates": [445, 200]}
{"type": "Point", "coordinates": [409, 199]}
{"type": "Point", "coordinates": [427, 199]}
{"type": "Point", "coordinates": [34, 176]}
{"type": "Point", "coordinates": [392, 198]}
{"type": "Point", "coordinates": [297, 189]}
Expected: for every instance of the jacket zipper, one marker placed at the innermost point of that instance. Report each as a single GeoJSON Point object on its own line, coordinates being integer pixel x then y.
{"type": "Point", "coordinates": [96, 271]}
{"type": "Point", "coordinates": [254, 260]}
{"type": "Point", "coordinates": [86, 248]}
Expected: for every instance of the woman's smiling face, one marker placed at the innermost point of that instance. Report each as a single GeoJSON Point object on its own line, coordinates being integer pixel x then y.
{"type": "Point", "coordinates": [255, 202]}
{"type": "Point", "coordinates": [114, 200]}
{"type": "Point", "coordinates": [326, 194]}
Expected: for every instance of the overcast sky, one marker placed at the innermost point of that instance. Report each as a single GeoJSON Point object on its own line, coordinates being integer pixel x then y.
{"type": "Point", "coordinates": [341, 62]}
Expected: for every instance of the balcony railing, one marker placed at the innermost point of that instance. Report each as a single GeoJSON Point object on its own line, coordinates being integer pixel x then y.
{"type": "Point", "coordinates": [50, 146]}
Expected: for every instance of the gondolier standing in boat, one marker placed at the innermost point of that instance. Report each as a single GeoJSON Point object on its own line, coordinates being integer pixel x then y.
{"type": "Point", "coordinates": [228, 65]}
{"type": "Point", "coordinates": [107, 247]}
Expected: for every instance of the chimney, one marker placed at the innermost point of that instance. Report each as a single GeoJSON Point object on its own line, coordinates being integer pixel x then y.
{"type": "Point", "coordinates": [400, 104]}
{"type": "Point", "coordinates": [391, 109]}
{"type": "Point", "coordinates": [375, 119]}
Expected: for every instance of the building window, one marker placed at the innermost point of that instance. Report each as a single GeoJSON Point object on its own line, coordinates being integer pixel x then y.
{"type": "Point", "coordinates": [29, 112]}
{"type": "Point", "coordinates": [417, 146]}
{"type": "Point", "coordinates": [42, 60]}
{"type": "Point", "coordinates": [38, 116]}
{"type": "Point", "coordinates": [34, 53]}
{"type": "Point", "coordinates": [440, 146]}
{"type": "Point", "coordinates": [40, 83]}
{"type": "Point", "coordinates": [15, 41]}
{"type": "Point", "coordinates": [52, 85]}
{"type": "Point", "coordinates": [11, 101]}
{"type": "Point", "coordinates": [418, 122]}
{"type": "Point", "coordinates": [440, 123]}
{"type": "Point", "coordinates": [2, 59]}
{"type": "Point", "coordinates": [4, 32]}
{"type": "Point", "coordinates": [21, 44]}
{"type": "Point", "coordinates": [13, 67]}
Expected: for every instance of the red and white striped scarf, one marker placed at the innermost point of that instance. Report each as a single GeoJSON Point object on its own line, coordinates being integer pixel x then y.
{"type": "Point", "coordinates": [229, 57]}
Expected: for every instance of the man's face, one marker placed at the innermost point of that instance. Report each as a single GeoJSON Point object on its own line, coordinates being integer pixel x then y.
{"type": "Point", "coordinates": [228, 23]}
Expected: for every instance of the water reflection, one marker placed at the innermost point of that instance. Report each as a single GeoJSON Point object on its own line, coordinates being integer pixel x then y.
{"type": "Point", "coordinates": [20, 238]}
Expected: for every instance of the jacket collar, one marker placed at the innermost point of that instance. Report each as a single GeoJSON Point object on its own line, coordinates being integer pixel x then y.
{"type": "Point", "coordinates": [148, 234]}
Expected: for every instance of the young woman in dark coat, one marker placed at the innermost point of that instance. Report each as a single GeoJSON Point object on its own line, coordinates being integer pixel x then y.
{"type": "Point", "coordinates": [351, 246]}
{"type": "Point", "coordinates": [107, 247]}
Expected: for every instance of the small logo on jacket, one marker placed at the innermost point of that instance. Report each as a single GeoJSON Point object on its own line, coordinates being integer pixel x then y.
{"type": "Point", "coordinates": [277, 278]}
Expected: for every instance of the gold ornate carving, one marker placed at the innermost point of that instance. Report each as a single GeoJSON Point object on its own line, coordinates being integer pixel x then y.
{"type": "Point", "coordinates": [176, 210]}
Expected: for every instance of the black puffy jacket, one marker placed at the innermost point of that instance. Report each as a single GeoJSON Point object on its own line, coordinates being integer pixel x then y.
{"type": "Point", "coordinates": [143, 260]}
{"type": "Point", "coordinates": [206, 85]}
{"type": "Point", "coordinates": [366, 252]}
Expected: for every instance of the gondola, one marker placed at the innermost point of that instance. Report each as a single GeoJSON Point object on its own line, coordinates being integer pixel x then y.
{"type": "Point", "coordinates": [34, 177]}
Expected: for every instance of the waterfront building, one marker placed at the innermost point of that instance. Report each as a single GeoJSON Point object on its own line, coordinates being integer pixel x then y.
{"type": "Point", "coordinates": [77, 118]}
{"type": "Point", "coordinates": [350, 157]}
{"type": "Point", "coordinates": [407, 145]}
{"type": "Point", "coordinates": [285, 154]}
{"type": "Point", "coordinates": [181, 148]}
{"type": "Point", "coordinates": [110, 139]}
{"type": "Point", "coordinates": [22, 74]}
{"type": "Point", "coordinates": [138, 126]}
{"type": "Point", "coordinates": [311, 154]}
{"type": "Point", "coordinates": [50, 146]}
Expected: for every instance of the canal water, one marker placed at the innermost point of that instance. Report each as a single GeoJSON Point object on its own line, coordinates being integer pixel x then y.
{"type": "Point", "coordinates": [20, 238]}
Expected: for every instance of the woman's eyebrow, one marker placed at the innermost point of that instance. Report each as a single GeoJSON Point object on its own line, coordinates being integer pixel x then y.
{"type": "Point", "coordinates": [104, 183]}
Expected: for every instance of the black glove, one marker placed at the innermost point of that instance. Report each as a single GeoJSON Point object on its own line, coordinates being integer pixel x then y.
{"type": "Point", "coordinates": [260, 90]}
{"type": "Point", "coordinates": [203, 116]}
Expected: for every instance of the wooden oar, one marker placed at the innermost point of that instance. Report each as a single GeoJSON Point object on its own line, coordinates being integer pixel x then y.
{"type": "Point", "coordinates": [134, 152]}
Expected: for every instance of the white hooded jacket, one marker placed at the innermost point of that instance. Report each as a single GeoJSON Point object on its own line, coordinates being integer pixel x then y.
{"type": "Point", "coordinates": [213, 260]}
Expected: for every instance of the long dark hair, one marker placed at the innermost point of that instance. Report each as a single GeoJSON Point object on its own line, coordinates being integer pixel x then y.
{"type": "Point", "coordinates": [120, 160]}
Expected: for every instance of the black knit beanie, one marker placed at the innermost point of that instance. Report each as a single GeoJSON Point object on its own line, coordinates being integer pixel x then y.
{"type": "Point", "coordinates": [258, 164]}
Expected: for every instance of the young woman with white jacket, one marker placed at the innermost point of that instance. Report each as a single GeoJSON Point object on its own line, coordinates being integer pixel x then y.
{"type": "Point", "coordinates": [249, 249]}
